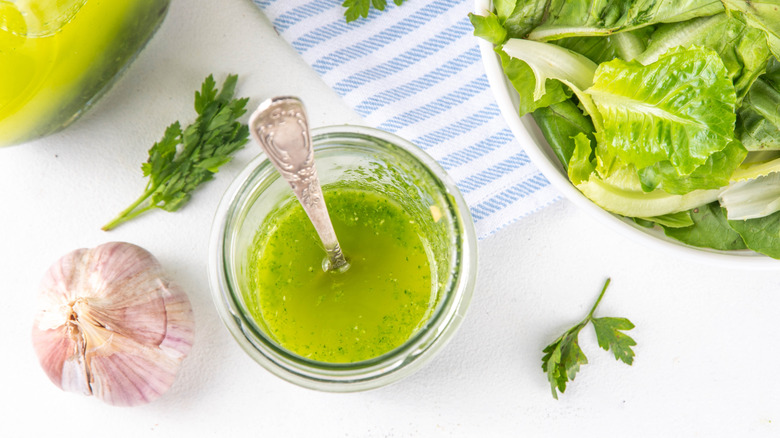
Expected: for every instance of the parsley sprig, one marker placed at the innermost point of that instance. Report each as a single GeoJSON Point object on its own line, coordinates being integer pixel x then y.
{"type": "Point", "coordinates": [182, 160]}
{"type": "Point", "coordinates": [360, 8]}
{"type": "Point", "coordinates": [562, 358]}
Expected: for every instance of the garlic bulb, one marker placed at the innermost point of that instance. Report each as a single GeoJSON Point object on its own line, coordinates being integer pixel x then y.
{"type": "Point", "coordinates": [111, 325]}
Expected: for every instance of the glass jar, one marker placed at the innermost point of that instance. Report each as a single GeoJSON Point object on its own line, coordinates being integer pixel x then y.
{"type": "Point", "coordinates": [57, 57]}
{"type": "Point", "coordinates": [369, 159]}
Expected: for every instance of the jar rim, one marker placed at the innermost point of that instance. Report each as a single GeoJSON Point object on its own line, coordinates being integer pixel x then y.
{"type": "Point", "coordinates": [365, 374]}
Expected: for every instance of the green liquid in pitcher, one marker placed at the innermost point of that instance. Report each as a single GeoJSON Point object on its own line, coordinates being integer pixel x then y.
{"type": "Point", "coordinates": [384, 297]}
{"type": "Point", "coordinates": [58, 56]}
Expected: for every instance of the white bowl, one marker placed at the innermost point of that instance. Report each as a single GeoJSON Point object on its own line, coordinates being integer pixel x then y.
{"type": "Point", "coordinates": [535, 145]}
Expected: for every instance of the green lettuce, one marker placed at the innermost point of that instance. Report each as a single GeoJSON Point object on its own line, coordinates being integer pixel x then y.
{"type": "Point", "coordinates": [488, 27]}
{"type": "Point", "coordinates": [555, 19]}
{"type": "Point", "coordinates": [623, 45]}
{"type": "Point", "coordinates": [671, 123]}
{"type": "Point", "coordinates": [624, 195]}
{"type": "Point", "coordinates": [678, 109]}
{"type": "Point", "coordinates": [714, 173]}
{"type": "Point", "coordinates": [560, 123]}
{"type": "Point", "coordinates": [549, 67]}
{"type": "Point", "coordinates": [763, 15]}
{"type": "Point", "coordinates": [504, 8]}
{"type": "Point", "coordinates": [524, 16]}
{"type": "Point", "coordinates": [710, 229]}
{"type": "Point", "coordinates": [752, 198]}
{"type": "Point", "coordinates": [760, 234]}
{"type": "Point", "coordinates": [743, 49]}
{"type": "Point", "coordinates": [681, 219]}
{"type": "Point", "coordinates": [758, 125]}
{"type": "Point", "coordinates": [527, 85]}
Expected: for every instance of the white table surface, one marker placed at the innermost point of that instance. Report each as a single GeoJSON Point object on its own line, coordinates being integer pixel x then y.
{"type": "Point", "coordinates": [708, 340]}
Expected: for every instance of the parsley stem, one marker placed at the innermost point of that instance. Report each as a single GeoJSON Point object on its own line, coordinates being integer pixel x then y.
{"type": "Point", "coordinates": [128, 213]}
{"type": "Point", "coordinates": [601, 295]}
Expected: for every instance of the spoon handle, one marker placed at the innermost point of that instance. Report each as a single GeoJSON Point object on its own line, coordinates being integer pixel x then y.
{"type": "Point", "coordinates": [280, 126]}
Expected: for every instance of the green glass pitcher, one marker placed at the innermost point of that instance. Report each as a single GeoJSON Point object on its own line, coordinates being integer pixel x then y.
{"type": "Point", "coordinates": [57, 57]}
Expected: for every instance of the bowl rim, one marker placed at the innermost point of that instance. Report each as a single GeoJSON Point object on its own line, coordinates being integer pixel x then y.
{"type": "Point", "coordinates": [652, 238]}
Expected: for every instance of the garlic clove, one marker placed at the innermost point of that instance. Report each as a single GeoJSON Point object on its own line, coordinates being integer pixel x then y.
{"type": "Point", "coordinates": [57, 354]}
{"type": "Point", "coordinates": [111, 325]}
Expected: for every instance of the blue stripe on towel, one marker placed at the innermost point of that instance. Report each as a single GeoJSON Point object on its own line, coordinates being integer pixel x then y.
{"type": "Point", "coordinates": [459, 127]}
{"type": "Point", "coordinates": [498, 170]}
{"type": "Point", "coordinates": [476, 151]}
{"type": "Point", "coordinates": [513, 194]}
{"type": "Point", "coordinates": [404, 60]}
{"type": "Point", "coordinates": [438, 106]}
{"type": "Point", "coordinates": [418, 84]}
{"type": "Point", "coordinates": [300, 13]}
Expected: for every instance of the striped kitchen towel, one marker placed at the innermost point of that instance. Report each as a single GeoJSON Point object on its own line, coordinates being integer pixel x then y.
{"type": "Point", "coordinates": [415, 70]}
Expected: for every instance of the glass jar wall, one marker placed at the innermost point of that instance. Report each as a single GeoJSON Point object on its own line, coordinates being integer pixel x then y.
{"type": "Point", "coordinates": [57, 57]}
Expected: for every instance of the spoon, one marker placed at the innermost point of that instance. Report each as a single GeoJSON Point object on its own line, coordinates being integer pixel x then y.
{"type": "Point", "coordinates": [279, 125]}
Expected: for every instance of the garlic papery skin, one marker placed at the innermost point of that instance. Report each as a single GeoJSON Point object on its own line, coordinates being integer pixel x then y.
{"type": "Point", "coordinates": [111, 325]}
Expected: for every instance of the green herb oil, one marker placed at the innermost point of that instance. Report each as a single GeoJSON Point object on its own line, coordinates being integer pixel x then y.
{"type": "Point", "coordinates": [372, 308]}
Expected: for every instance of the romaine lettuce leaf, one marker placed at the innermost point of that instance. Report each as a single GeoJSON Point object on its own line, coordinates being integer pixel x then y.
{"type": "Point", "coordinates": [678, 109]}
{"type": "Point", "coordinates": [581, 167]}
{"type": "Point", "coordinates": [623, 197]}
{"type": "Point", "coordinates": [716, 172]}
{"type": "Point", "coordinates": [636, 203]}
{"type": "Point", "coordinates": [753, 198]}
{"type": "Point", "coordinates": [760, 234]}
{"type": "Point", "coordinates": [757, 164]}
{"type": "Point", "coordinates": [681, 219]}
{"type": "Point", "coordinates": [710, 230]}
{"type": "Point", "coordinates": [525, 16]}
{"type": "Point", "coordinates": [761, 14]}
{"type": "Point", "coordinates": [548, 61]}
{"type": "Point", "coordinates": [758, 120]}
{"type": "Point", "coordinates": [488, 27]}
{"type": "Point", "coordinates": [623, 45]}
{"type": "Point", "coordinates": [555, 19]}
{"type": "Point", "coordinates": [504, 8]}
{"type": "Point", "coordinates": [742, 48]}
{"type": "Point", "coordinates": [522, 78]}
{"type": "Point", "coordinates": [560, 123]}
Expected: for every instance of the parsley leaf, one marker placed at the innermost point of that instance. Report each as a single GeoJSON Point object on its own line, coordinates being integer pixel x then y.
{"type": "Point", "coordinates": [360, 8]}
{"type": "Point", "coordinates": [609, 336]}
{"type": "Point", "coordinates": [184, 159]}
{"type": "Point", "coordinates": [562, 359]}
